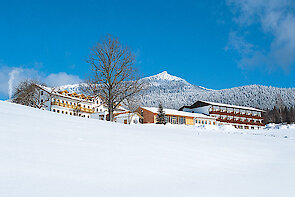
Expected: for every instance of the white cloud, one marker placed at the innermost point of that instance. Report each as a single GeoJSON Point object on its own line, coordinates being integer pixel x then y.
{"type": "Point", "coordinates": [239, 44]}
{"type": "Point", "coordinates": [61, 78]}
{"type": "Point", "coordinates": [11, 76]}
{"type": "Point", "coordinates": [276, 18]}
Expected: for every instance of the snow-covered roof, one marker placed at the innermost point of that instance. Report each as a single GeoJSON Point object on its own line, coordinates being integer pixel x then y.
{"type": "Point", "coordinates": [233, 106]}
{"type": "Point", "coordinates": [177, 113]}
{"type": "Point", "coordinates": [66, 95]}
{"type": "Point", "coordinates": [126, 113]}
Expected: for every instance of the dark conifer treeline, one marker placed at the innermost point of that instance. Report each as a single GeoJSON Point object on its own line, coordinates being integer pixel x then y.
{"type": "Point", "coordinates": [280, 115]}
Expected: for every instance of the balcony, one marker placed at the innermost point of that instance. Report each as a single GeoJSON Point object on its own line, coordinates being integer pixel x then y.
{"type": "Point", "coordinates": [232, 121]}
{"type": "Point", "coordinates": [78, 107]}
{"type": "Point", "coordinates": [236, 114]}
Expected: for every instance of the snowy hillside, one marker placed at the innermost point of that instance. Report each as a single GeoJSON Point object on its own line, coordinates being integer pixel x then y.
{"type": "Point", "coordinates": [48, 154]}
{"type": "Point", "coordinates": [175, 92]}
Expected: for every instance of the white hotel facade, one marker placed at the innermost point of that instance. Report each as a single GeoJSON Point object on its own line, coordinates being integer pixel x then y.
{"type": "Point", "coordinates": [73, 104]}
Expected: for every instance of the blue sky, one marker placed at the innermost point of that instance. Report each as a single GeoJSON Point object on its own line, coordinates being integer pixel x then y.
{"type": "Point", "coordinates": [217, 44]}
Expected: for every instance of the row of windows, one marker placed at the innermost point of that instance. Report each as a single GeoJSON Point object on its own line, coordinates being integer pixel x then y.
{"type": "Point", "coordinates": [205, 122]}
{"type": "Point", "coordinates": [71, 103]}
{"type": "Point", "coordinates": [182, 120]}
{"type": "Point", "coordinates": [175, 120]}
{"type": "Point", "coordinates": [69, 113]}
{"type": "Point", "coordinates": [237, 119]}
{"type": "Point", "coordinates": [243, 127]}
{"type": "Point", "coordinates": [230, 110]}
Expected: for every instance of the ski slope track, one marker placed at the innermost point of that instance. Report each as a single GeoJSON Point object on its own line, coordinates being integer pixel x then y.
{"type": "Point", "coordinates": [47, 154]}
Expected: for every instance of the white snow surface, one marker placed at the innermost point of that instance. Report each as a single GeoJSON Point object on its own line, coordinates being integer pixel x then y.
{"type": "Point", "coordinates": [176, 112]}
{"type": "Point", "coordinates": [164, 76]}
{"type": "Point", "coordinates": [47, 154]}
{"type": "Point", "coordinates": [232, 106]}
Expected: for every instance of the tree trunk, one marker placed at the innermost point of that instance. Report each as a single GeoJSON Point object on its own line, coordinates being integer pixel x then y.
{"type": "Point", "coordinates": [111, 112]}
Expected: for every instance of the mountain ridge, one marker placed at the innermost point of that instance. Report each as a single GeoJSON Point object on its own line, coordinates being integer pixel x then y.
{"type": "Point", "coordinates": [174, 92]}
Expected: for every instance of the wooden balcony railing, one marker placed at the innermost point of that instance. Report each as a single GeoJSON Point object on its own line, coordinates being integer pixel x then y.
{"type": "Point", "coordinates": [236, 114]}
{"type": "Point", "coordinates": [240, 122]}
{"type": "Point", "coordinates": [78, 107]}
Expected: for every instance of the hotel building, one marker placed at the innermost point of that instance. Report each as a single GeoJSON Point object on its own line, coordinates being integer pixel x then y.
{"type": "Point", "coordinates": [149, 115]}
{"type": "Point", "coordinates": [238, 116]}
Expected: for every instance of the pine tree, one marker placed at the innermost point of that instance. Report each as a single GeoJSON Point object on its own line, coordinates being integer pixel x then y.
{"type": "Point", "coordinates": [292, 115]}
{"type": "Point", "coordinates": [161, 116]}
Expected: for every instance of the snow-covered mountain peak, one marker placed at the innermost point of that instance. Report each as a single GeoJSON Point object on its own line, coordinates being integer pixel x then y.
{"type": "Point", "coordinates": [165, 76]}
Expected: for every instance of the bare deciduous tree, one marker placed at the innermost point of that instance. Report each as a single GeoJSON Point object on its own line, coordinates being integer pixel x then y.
{"type": "Point", "coordinates": [132, 104]}
{"type": "Point", "coordinates": [29, 93]}
{"type": "Point", "coordinates": [114, 76]}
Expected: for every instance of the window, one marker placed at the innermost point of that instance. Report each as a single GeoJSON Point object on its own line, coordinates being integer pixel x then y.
{"type": "Point", "coordinates": [41, 100]}
{"type": "Point", "coordinates": [41, 92]}
{"type": "Point", "coordinates": [53, 110]}
{"type": "Point", "coordinates": [181, 120]}
{"type": "Point", "coordinates": [209, 122]}
{"type": "Point", "coordinates": [166, 119]}
{"type": "Point", "coordinates": [214, 123]}
{"type": "Point", "coordinates": [66, 112]}
{"type": "Point", "coordinates": [205, 121]}
{"type": "Point", "coordinates": [173, 120]}
{"type": "Point", "coordinates": [62, 112]}
{"type": "Point", "coordinates": [88, 116]}
{"type": "Point", "coordinates": [57, 111]}
{"type": "Point", "coordinates": [71, 113]}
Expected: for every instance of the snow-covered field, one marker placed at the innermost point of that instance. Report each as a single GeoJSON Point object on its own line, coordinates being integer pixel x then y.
{"type": "Point", "coordinates": [45, 154]}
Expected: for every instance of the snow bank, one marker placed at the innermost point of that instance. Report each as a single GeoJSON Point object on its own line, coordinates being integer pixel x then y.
{"type": "Point", "coordinates": [48, 154]}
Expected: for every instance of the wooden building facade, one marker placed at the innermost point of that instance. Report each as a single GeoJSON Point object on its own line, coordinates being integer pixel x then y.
{"type": "Point", "coordinates": [149, 115]}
